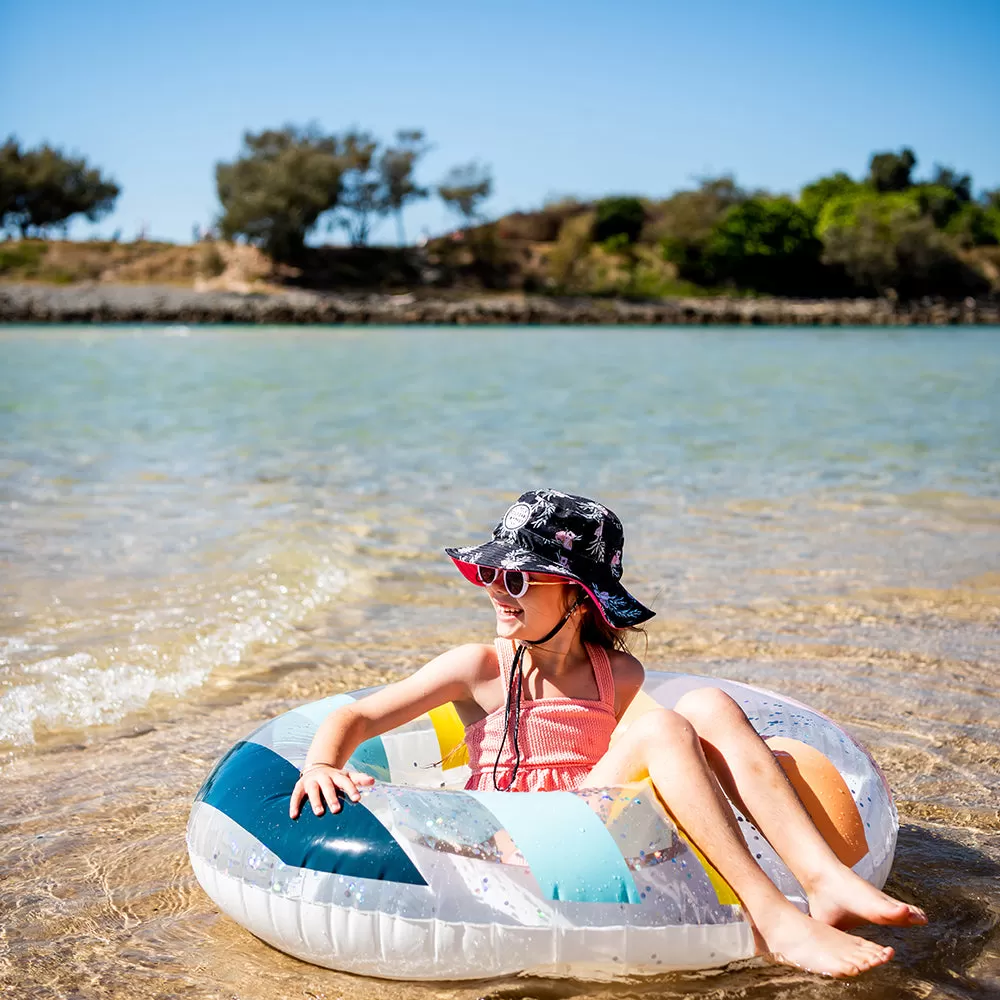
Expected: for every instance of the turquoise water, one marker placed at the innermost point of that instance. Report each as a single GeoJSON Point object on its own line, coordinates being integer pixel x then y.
{"type": "Point", "coordinates": [176, 498]}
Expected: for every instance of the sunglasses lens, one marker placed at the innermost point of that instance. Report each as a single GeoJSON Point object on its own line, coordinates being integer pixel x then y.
{"type": "Point", "coordinates": [486, 575]}
{"type": "Point", "coordinates": [515, 582]}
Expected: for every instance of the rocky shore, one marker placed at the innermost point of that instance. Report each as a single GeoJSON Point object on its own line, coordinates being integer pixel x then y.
{"type": "Point", "coordinates": [108, 303]}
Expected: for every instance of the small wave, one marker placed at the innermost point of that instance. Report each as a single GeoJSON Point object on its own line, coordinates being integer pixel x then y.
{"type": "Point", "coordinates": [164, 648]}
{"type": "Point", "coordinates": [12, 645]}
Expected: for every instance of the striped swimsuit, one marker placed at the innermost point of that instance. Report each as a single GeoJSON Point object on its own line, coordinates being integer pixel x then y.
{"type": "Point", "coordinates": [561, 739]}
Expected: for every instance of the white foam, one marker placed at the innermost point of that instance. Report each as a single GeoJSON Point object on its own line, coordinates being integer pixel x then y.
{"type": "Point", "coordinates": [82, 689]}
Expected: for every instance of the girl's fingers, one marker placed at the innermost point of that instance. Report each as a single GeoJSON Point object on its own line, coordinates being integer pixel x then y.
{"type": "Point", "coordinates": [344, 781]}
{"type": "Point", "coordinates": [316, 797]}
{"type": "Point", "coordinates": [329, 785]}
{"type": "Point", "coordinates": [295, 803]}
{"type": "Point", "coordinates": [324, 786]}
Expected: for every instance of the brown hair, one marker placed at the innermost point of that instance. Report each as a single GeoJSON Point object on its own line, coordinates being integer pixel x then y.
{"type": "Point", "coordinates": [595, 629]}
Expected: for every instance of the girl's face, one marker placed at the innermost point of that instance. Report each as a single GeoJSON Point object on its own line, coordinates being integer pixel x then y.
{"type": "Point", "coordinates": [534, 614]}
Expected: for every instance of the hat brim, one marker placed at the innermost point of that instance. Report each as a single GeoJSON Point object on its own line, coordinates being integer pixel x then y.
{"type": "Point", "coordinates": [617, 606]}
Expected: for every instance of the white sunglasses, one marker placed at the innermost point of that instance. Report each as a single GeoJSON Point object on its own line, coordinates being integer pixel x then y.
{"type": "Point", "coordinates": [515, 581]}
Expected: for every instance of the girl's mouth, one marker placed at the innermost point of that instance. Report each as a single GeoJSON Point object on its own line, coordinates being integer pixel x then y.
{"type": "Point", "coordinates": [507, 612]}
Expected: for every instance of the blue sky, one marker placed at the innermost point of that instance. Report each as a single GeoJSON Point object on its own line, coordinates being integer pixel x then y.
{"type": "Point", "coordinates": [558, 98]}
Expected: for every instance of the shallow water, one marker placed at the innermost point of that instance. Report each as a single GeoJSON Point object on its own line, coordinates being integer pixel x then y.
{"type": "Point", "coordinates": [202, 527]}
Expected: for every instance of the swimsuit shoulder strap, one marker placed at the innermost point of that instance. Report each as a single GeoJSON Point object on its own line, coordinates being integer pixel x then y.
{"type": "Point", "coordinates": [505, 654]}
{"type": "Point", "coordinates": [601, 663]}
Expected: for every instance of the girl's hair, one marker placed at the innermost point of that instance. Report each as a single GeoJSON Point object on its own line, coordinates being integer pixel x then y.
{"type": "Point", "coordinates": [597, 631]}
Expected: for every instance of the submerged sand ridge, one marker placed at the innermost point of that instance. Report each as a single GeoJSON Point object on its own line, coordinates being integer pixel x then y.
{"type": "Point", "coordinates": [100, 901]}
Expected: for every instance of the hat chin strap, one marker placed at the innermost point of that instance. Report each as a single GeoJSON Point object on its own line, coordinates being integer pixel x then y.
{"type": "Point", "coordinates": [514, 689]}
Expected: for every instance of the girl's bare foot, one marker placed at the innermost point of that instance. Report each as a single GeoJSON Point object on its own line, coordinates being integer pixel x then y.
{"type": "Point", "coordinates": [791, 938]}
{"type": "Point", "coordinates": [843, 899]}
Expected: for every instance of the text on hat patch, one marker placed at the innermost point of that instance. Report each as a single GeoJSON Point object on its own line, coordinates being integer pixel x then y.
{"type": "Point", "coordinates": [516, 516]}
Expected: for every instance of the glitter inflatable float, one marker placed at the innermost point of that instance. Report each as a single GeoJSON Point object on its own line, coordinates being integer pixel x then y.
{"type": "Point", "coordinates": [423, 880]}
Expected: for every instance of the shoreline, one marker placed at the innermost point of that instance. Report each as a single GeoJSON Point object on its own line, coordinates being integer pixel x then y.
{"type": "Point", "coordinates": [110, 303]}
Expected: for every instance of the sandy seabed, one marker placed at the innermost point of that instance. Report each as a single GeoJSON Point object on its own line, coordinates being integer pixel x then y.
{"type": "Point", "coordinates": [98, 899]}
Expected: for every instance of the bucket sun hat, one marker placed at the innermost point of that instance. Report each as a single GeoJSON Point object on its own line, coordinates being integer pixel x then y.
{"type": "Point", "coordinates": [546, 531]}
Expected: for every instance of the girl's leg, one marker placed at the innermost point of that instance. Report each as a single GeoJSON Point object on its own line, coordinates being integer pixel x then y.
{"type": "Point", "coordinates": [755, 782]}
{"type": "Point", "coordinates": [665, 746]}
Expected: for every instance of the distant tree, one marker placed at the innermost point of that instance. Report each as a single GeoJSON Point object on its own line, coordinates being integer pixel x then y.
{"type": "Point", "coordinates": [465, 188]}
{"type": "Point", "coordinates": [622, 216]}
{"type": "Point", "coordinates": [814, 196]}
{"type": "Point", "coordinates": [864, 250]}
{"type": "Point", "coordinates": [11, 182]}
{"type": "Point", "coordinates": [690, 215]}
{"type": "Point", "coordinates": [566, 261]}
{"type": "Point", "coordinates": [363, 197]}
{"type": "Point", "coordinates": [683, 223]}
{"type": "Point", "coordinates": [396, 166]}
{"type": "Point", "coordinates": [990, 199]}
{"type": "Point", "coordinates": [544, 224]}
{"type": "Point", "coordinates": [886, 242]}
{"type": "Point", "coordinates": [959, 184]}
{"type": "Point", "coordinates": [41, 188]}
{"type": "Point", "coordinates": [279, 186]}
{"type": "Point", "coordinates": [766, 244]}
{"type": "Point", "coordinates": [975, 225]}
{"type": "Point", "coordinates": [378, 181]}
{"type": "Point", "coordinates": [851, 209]}
{"type": "Point", "coordinates": [938, 201]}
{"type": "Point", "coordinates": [891, 171]}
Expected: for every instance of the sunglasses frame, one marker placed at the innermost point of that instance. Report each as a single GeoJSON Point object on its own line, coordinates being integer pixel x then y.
{"type": "Point", "coordinates": [502, 574]}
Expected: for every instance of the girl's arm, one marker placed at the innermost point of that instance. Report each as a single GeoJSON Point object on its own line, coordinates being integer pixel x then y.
{"type": "Point", "coordinates": [452, 676]}
{"type": "Point", "coordinates": [629, 674]}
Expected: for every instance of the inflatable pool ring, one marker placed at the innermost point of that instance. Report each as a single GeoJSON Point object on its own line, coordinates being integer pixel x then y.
{"type": "Point", "coordinates": [423, 880]}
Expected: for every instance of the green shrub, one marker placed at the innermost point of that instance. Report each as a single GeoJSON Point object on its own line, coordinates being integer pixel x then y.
{"type": "Point", "coordinates": [621, 216]}
{"type": "Point", "coordinates": [846, 211]}
{"type": "Point", "coordinates": [210, 261]}
{"type": "Point", "coordinates": [567, 264]}
{"type": "Point", "coordinates": [24, 256]}
{"type": "Point", "coordinates": [813, 197]}
{"type": "Point", "coordinates": [975, 226]}
{"type": "Point", "coordinates": [542, 226]}
{"type": "Point", "coordinates": [897, 248]}
{"type": "Point", "coordinates": [765, 244]}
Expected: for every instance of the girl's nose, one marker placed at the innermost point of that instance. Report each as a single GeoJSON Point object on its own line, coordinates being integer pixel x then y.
{"type": "Point", "coordinates": [499, 592]}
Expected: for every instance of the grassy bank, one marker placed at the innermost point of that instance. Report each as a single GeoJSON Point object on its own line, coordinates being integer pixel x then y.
{"type": "Point", "coordinates": [488, 260]}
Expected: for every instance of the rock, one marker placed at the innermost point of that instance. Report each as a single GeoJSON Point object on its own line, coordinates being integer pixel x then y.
{"type": "Point", "coordinates": [110, 303]}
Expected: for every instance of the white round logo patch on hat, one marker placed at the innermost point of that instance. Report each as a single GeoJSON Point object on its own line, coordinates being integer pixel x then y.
{"type": "Point", "coordinates": [516, 516]}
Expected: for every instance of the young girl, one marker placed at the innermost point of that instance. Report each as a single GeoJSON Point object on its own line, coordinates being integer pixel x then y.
{"type": "Point", "coordinates": [539, 707]}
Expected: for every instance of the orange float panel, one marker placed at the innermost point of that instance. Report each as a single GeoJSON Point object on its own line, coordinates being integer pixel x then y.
{"type": "Point", "coordinates": [825, 795]}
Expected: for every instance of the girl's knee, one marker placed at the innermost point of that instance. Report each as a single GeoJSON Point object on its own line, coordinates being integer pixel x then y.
{"type": "Point", "coordinates": [662, 726]}
{"type": "Point", "coordinates": [709, 707]}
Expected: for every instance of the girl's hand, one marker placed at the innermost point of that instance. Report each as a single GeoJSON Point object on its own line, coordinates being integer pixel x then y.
{"type": "Point", "coordinates": [321, 781]}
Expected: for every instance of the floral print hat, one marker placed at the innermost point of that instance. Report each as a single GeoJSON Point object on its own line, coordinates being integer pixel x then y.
{"type": "Point", "coordinates": [546, 531]}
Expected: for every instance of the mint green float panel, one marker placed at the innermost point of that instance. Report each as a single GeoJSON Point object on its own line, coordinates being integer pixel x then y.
{"type": "Point", "coordinates": [568, 849]}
